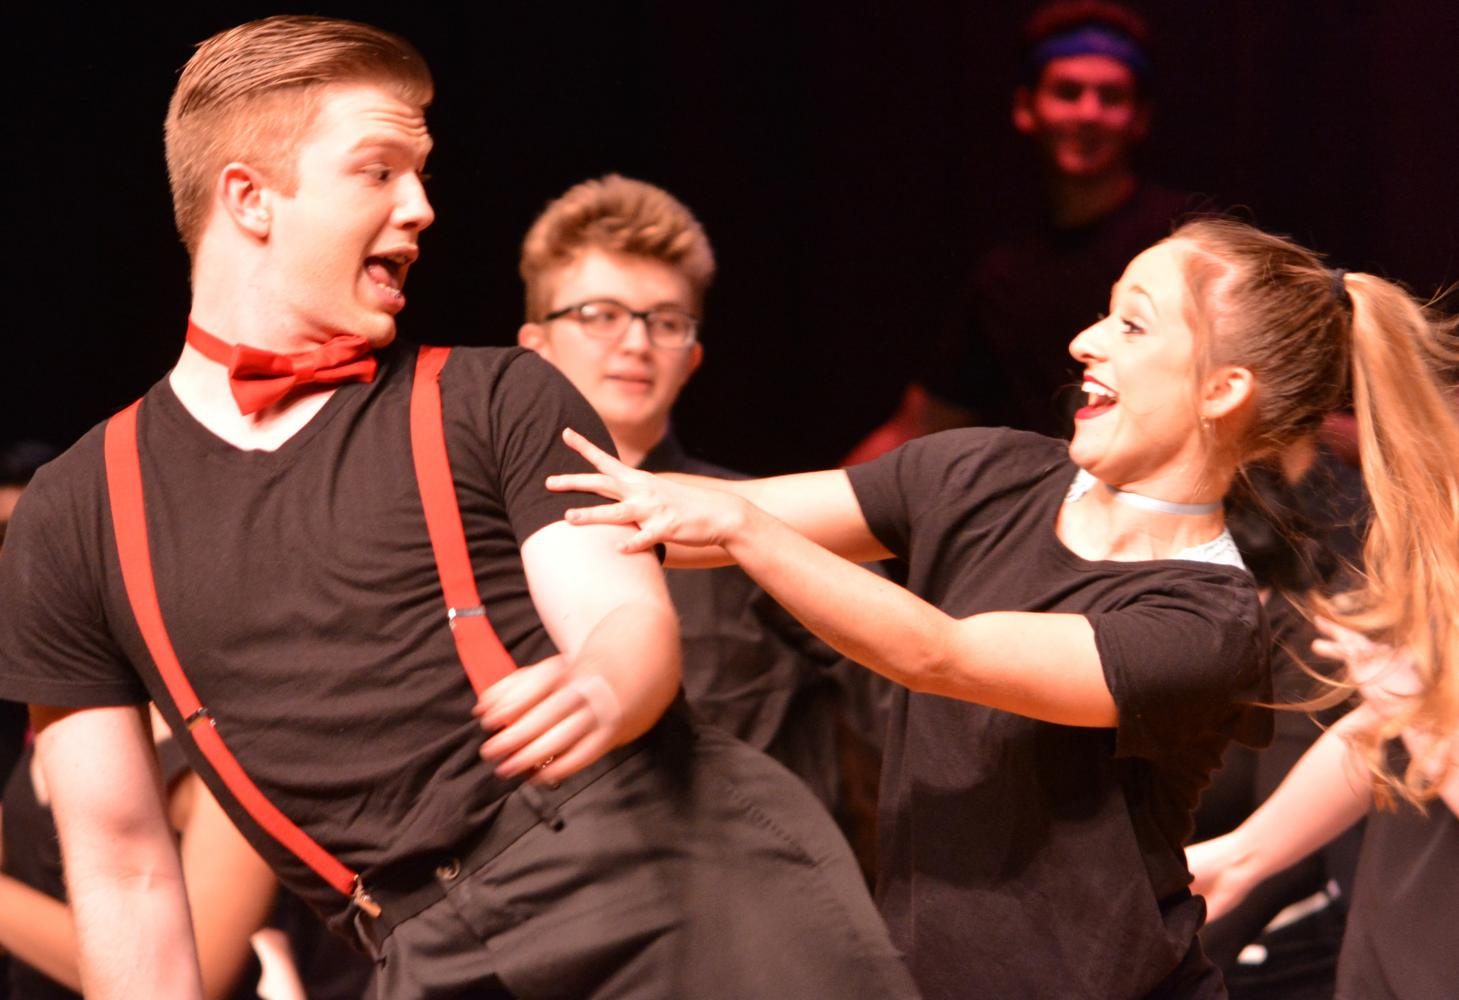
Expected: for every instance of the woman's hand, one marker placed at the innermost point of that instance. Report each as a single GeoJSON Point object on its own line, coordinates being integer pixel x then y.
{"type": "Point", "coordinates": [664, 511]}
{"type": "Point", "coordinates": [545, 718]}
{"type": "Point", "coordinates": [1216, 874]}
{"type": "Point", "coordinates": [1387, 678]}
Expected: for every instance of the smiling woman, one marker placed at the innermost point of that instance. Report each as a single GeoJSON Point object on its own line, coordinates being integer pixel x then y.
{"type": "Point", "coordinates": [1080, 640]}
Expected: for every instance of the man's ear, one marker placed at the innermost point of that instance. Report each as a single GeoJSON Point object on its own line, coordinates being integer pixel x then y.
{"type": "Point", "coordinates": [1227, 390]}
{"type": "Point", "coordinates": [1023, 111]}
{"type": "Point", "coordinates": [246, 199]}
{"type": "Point", "coordinates": [532, 336]}
{"type": "Point", "coordinates": [696, 358]}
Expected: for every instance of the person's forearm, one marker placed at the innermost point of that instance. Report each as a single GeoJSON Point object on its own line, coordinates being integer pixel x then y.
{"type": "Point", "coordinates": [230, 889]}
{"type": "Point", "coordinates": [134, 935]}
{"type": "Point", "coordinates": [123, 877]}
{"type": "Point", "coordinates": [1045, 666]}
{"type": "Point", "coordinates": [634, 648]}
{"type": "Point", "coordinates": [818, 505]}
{"type": "Point", "coordinates": [863, 616]}
{"type": "Point", "coordinates": [38, 931]}
{"type": "Point", "coordinates": [1327, 791]}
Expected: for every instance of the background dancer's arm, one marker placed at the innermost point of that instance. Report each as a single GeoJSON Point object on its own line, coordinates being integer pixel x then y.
{"type": "Point", "coordinates": [37, 929]}
{"type": "Point", "coordinates": [229, 889]}
{"type": "Point", "coordinates": [1326, 792]}
{"type": "Point", "coordinates": [122, 869]}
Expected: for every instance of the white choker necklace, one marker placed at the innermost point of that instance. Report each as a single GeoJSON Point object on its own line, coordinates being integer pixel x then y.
{"type": "Point", "coordinates": [1158, 506]}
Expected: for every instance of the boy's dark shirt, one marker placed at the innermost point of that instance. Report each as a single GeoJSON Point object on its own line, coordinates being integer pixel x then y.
{"type": "Point", "coordinates": [1005, 353]}
{"type": "Point", "coordinates": [749, 667]}
{"type": "Point", "coordinates": [301, 595]}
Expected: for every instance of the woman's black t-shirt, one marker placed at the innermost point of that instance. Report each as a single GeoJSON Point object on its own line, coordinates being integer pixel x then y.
{"type": "Point", "coordinates": [1024, 858]}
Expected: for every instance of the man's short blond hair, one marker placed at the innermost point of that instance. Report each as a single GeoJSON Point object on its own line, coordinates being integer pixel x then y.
{"type": "Point", "coordinates": [618, 215]}
{"type": "Point", "coordinates": [251, 93]}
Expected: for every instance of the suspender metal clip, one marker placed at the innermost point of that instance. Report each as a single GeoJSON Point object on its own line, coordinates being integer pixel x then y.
{"type": "Point", "coordinates": [363, 901]}
{"type": "Point", "coordinates": [199, 714]}
{"type": "Point", "coordinates": [453, 613]}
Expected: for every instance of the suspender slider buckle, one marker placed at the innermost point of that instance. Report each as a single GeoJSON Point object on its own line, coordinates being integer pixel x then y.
{"type": "Point", "coordinates": [363, 901]}
{"type": "Point", "coordinates": [453, 613]}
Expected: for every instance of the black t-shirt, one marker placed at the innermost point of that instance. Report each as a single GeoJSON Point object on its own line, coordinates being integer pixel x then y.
{"type": "Point", "coordinates": [1005, 353]}
{"type": "Point", "coordinates": [1400, 939]}
{"type": "Point", "coordinates": [1024, 858]}
{"type": "Point", "coordinates": [302, 598]}
{"type": "Point", "coordinates": [13, 725]}
{"type": "Point", "coordinates": [33, 858]}
{"type": "Point", "coordinates": [749, 666]}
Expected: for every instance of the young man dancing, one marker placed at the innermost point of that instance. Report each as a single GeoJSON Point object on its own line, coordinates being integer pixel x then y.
{"type": "Point", "coordinates": [274, 547]}
{"type": "Point", "coordinates": [616, 271]}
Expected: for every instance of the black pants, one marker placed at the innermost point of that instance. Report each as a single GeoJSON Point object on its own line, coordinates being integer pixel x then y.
{"type": "Point", "coordinates": [695, 867]}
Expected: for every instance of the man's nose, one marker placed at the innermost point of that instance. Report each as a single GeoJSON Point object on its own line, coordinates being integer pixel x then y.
{"type": "Point", "coordinates": [414, 211]}
{"type": "Point", "coordinates": [1088, 106]}
{"type": "Point", "coordinates": [635, 335]}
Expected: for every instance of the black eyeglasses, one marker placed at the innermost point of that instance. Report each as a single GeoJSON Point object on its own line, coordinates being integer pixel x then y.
{"type": "Point", "coordinates": [608, 319]}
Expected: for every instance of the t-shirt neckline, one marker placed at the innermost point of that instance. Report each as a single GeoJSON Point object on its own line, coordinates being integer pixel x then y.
{"type": "Point", "coordinates": [208, 444]}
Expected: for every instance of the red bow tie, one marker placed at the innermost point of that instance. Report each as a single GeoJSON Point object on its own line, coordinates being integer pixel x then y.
{"type": "Point", "coordinates": [260, 378]}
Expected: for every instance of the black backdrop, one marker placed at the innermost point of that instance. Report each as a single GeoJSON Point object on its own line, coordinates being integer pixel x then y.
{"type": "Point", "coordinates": [847, 159]}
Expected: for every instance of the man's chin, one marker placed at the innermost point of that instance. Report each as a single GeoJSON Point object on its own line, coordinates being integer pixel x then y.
{"type": "Point", "coordinates": [381, 337]}
{"type": "Point", "coordinates": [1088, 165]}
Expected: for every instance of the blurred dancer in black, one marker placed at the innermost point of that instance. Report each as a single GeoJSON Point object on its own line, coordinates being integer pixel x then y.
{"type": "Point", "coordinates": [1002, 359]}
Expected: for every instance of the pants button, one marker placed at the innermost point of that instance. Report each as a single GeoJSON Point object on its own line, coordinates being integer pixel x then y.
{"type": "Point", "coordinates": [448, 871]}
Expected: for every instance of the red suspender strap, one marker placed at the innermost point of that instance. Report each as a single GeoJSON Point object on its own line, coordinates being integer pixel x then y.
{"type": "Point", "coordinates": [129, 523]}
{"type": "Point", "coordinates": [482, 654]}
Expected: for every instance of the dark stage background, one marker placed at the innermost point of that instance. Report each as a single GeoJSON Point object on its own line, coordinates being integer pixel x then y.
{"type": "Point", "coordinates": [847, 160]}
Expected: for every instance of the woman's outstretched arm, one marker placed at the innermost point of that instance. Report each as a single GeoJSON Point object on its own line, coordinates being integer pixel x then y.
{"type": "Point", "coordinates": [1041, 665]}
{"type": "Point", "coordinates": [819, 505]}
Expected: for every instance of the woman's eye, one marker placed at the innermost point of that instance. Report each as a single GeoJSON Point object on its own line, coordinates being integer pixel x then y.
{"type": "Point", "coordinates": [1130, 326]}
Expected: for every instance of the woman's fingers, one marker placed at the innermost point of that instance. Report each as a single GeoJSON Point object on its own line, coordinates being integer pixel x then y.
{"type": "Point", "coordinates": [1338, 633]}
{"type": "Point", "coordinates": [608, 513]}
{"type": "Point", "coordinates": [662, 510]}
{"type": "Point", "coordinates": [597, 457]}
{"type": "Point", "coordinates": [585, 482]}
{"type": "Point", "coordinates": [644, 540]}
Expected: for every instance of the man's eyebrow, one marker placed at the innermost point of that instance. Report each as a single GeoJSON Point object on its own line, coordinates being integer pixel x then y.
{"type": "Point", "coordinates": [368, 143]}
